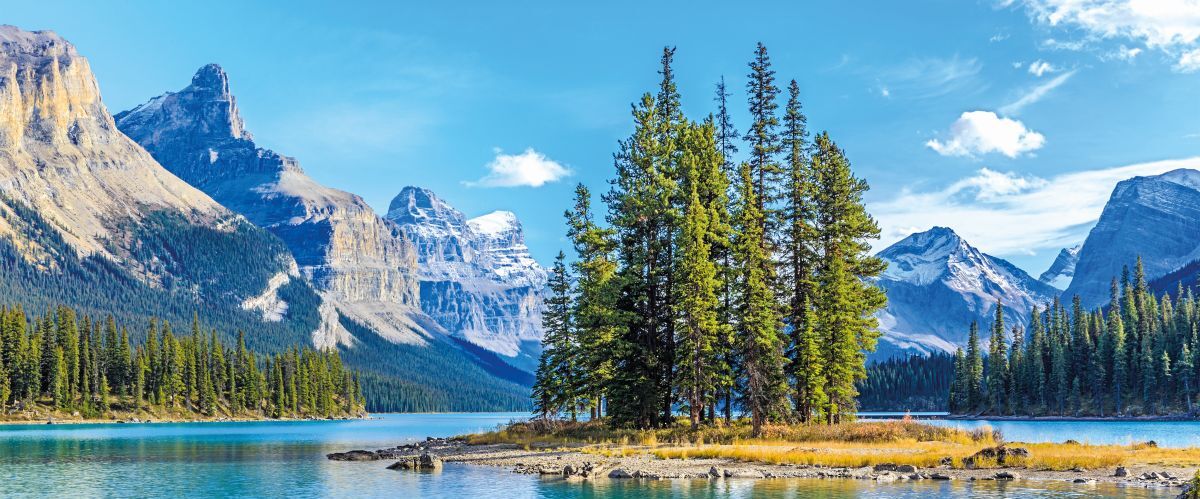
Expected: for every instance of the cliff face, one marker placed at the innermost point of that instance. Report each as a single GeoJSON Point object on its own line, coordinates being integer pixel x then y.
{"type": "Point", "coordinates": [478, 280]}
{"type": "Point", "coordinates": [62, 155]}
{"type": "Point", "coordinates": [1155, 217]}
{"type": "Point", "coordinates": [84, 203]}
{"type": "Point", "coordinates": [357, 260]}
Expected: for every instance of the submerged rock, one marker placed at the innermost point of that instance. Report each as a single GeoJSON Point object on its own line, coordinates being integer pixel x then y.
{"type": "Point", "coordinates": [354, 455]}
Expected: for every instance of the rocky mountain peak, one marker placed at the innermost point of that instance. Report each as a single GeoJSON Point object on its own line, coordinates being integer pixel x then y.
{"type": "Point", "coordinates": [937, 283]}
{"type": "Point", "coordinates": [204, 109]}
{"type": "Point", "coordinates": [420, 207]}
{"type": "Point", "coordinates": [1156, 217]}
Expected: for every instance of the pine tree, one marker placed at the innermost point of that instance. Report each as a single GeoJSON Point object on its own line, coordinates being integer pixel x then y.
{"type": "Point", "coordinates": [763, 383]}
{"type": "Point", "coordinates": [1116, 329]}
{"type": "Point", "coordinates": [763, 136]}
{"type": "Point", "coordinates": [846, 302]}
{"type": "Point", "coordinates": [556, 382]}
{"type": "Point", "coordinates": [997, 370]}
{"type": "Point", "coordinates": [974, 377]}
{"type": "Point", "coordinates": [798, 249]}
{"type": "Point", "coordinates": [697, 301]}
{"type": "Point", "coordinates": [596, 320]}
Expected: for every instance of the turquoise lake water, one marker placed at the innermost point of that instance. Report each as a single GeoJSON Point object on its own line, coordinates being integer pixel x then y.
{"type": "Point", "coordinates": [287, 459]}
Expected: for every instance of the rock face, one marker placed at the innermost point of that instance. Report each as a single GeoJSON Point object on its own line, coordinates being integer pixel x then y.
{"type": "Point", "coordinates": [1156, 217]}
{"type": "Point", "coordinates": [937, 284]}
{"type": "Point", "coordinates": [1062, 269]}
{"type": "Point", "coordinates": [61, 153]}
{"type": "Point", "coordinates": [79, 197]}
{"type": "Point", "coordinates": [478, 280]}
{"type": "Point", "coordinates": [361, 263]}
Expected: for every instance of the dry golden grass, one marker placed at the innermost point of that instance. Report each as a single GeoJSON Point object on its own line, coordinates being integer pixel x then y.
{"type": "Point", "coordinates": [849, 445]}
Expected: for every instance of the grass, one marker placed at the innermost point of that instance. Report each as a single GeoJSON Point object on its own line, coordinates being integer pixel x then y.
{"type": "Point", "coordinates": [843, 445]}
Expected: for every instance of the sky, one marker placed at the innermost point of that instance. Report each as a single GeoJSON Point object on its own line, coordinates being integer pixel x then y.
{"type": "Point", "coordinates": [1009, 121]}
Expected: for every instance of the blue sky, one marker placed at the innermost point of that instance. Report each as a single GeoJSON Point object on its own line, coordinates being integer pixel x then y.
{"type": "Point", "coordinates": [1009, 121]}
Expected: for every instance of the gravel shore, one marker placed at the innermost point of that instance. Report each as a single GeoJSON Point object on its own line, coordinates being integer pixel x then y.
{"type": "Point", "coordinates": [574, 464]}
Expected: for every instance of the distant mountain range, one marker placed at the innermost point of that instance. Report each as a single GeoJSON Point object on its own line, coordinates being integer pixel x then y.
{"type": "Point", "coordinates": [171, 207]}
{"type": "Point", "coordinates": [937, 283]}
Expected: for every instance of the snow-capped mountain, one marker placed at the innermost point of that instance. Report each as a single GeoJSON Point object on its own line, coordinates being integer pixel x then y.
{"type": "Point", "coordinates": [89, 218]}
{"type": "Point", "coordinates": [1156, 217]}
{"type": "Point", "coordinates": [478, 280]}
{"type": "Point", "coordinates": [937, 284]}
{"type": "Point", "coordinates": [1063, 268]}
{"type": "Point", "coordinates": [361, 263]}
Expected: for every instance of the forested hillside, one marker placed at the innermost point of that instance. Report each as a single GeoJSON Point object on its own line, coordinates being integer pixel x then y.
{"type": "Point", "coordinates": [62, 363]}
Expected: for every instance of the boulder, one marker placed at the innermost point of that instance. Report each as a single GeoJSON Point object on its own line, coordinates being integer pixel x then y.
{"type": "Point", "coordinates": [354, 455]}
{"type": "Point", "coordinates": [1003, 455]}
{"type": "Point", "coordinates": [1086, 481]}
{"type": "Point", "coordinates": [940, 476]}
{"type": "Point", "coordinates": [1121, 471]}
{"type": "Point", "coordinates": [713, 472]}
{"type": "Point", "coordinates": [743, 473]}
{"type": "Point", "coordinates": [422, 462]}
{"type": "Point", "coordinates": [885, 467]}
{"type": "Point", "coordinates": [906, 468]}
{"type": "Point", "coordinates": [619, 473]}
{"type": "Point", "coordinates": [1007, 475]}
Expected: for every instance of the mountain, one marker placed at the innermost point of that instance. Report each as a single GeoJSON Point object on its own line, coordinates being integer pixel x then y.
{"type": "Point", "coordinates": [937, 283]}
{"type": "Point", "coordinates": [1062, 269]}
{"type": "Point", "coordinates": [364, 267]}
{"type": "Point", "coordinates": [88, 218]}
{"type": "Point", "coordinates": [1156, 217]}
{"type": "Point", "coordinates": [478, 279]}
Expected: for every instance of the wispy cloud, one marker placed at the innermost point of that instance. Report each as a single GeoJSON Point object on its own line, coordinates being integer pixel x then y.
{"type": "Point", "coordinates": [977, 133]}
{"type": "Point", "coordinates": [528, 169]}
{"type": "Point", "coordinates": [1035, 94]}
{"type": "Point", "coordinates": [931, 77]}
{"type": "Point", "coordinates": [1007, 213]}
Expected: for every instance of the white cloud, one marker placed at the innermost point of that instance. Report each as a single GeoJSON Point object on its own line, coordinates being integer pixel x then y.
{"type": "Point", "coordinates": [998, 37]}
{"type": "Point", "coordinates": [982, 132]}
{"type": "Point", "coordinates": [1124, 53]}
{"type": "Point", "coordinates": [883, 91]}
{"type": "Point", "coordinates": [528, 169]}
{"type": "Point", "coordinates": [1036, 94]}
{"type": "Point", "coordinates": [1171, 26]}
{"type": "Point", "coordinates": [1189, 62]}
{"type": "Point", "coordinates": [1005, 214]}
{"type": "Point", "coordinates": [1072, 45]}
{"type": "Point", "coordinates": [1040, 67]}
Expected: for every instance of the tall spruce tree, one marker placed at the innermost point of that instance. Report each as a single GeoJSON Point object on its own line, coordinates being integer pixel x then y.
{"type": "Point", "coordinates": [845, 305]}
{"type": "Point", "coordinates": [763, 381]}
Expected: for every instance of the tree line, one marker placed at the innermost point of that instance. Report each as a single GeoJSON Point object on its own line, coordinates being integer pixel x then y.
{"type": "Point", "coordinates": [1134, 356]}
{"type": "Point", "coordinates": [912, 383]}
{"type": "Point", "coordinates": [74, 363]}
{"type": "Point", "coordinates": [713, 283]}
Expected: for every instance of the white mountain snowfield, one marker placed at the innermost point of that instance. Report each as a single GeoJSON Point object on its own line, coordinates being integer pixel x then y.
{"type": "Point", "coordinates": [937, 284]}
{"type": "Point", "coordinates": [1063, 268]}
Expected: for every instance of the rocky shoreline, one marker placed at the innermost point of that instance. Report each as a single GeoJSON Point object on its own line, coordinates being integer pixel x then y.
{"type": "Point", "coordinates": [572, 463]}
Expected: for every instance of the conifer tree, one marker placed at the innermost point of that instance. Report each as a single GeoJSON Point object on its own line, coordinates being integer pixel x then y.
{"type": "Point", "coordinates": [763, 384]}
{"type": "Point", "coordinates": [997, 370]}
{"type": "Point", "coordinates": [974, 377]}
{"type": "Point", "coordinates": [846, 302]}
{"type": "Point", "coordinates": [697, 301]}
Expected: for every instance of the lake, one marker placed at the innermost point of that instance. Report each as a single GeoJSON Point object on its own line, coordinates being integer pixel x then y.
{"type": "Point", "coordinates": [287, 459]}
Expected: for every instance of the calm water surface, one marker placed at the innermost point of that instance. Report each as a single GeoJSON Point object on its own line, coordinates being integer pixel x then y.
{"type": "Point", "coordinates": [286, 459]}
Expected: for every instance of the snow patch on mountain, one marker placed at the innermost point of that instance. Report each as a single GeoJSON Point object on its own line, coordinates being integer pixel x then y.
{"type": "Point", "coordinates": [937, 284]}
{"type": "Point", "coordinates": [1063, 268]}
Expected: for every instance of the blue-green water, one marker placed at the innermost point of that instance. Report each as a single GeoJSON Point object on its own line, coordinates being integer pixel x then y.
{"type": "Point", "coordinates": [286, 459]}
